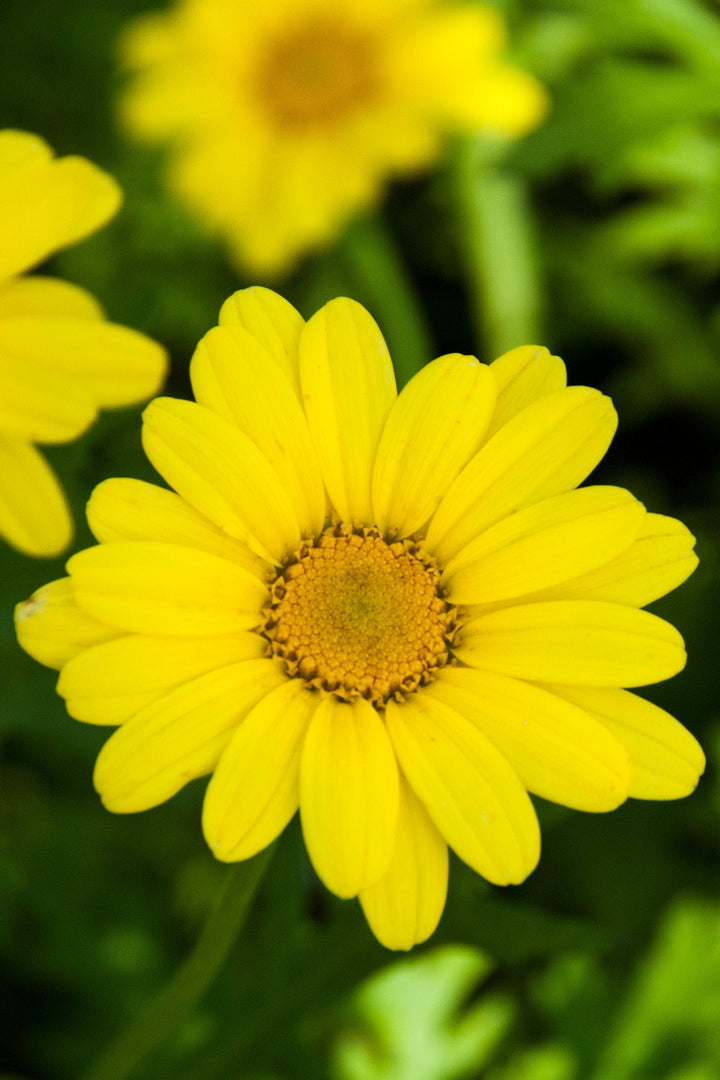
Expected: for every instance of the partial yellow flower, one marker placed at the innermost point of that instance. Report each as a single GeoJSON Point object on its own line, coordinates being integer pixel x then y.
{"type": "Point", "coordinates": [60, 361]}
{"type": "Point", "coordinates": [398, 613]}
{"type": "Point", "coordinates": [286, 117]}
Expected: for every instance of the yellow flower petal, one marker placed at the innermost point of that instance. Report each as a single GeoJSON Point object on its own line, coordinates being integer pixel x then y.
{"type": "Point", "coordinates": [272, 321]}
{"type": "Point", "coordinates": [548, 448]}
{"type": "Point", "coordinates": [348, 795]}
{"type": "Point", "coordinates": [47, 408]}
{"type": "Point", "coordinates": [235, 376]}
{"type": "Point", "coordinates": [435, 37]}
{"type": "Point", "coordinates": [254, 791]}
{"type": "Point", "coordinates": [305, 188]}
{"type": "Point", "coordinates": [574, 641]}
{"type": "Point", "coordinates": [510, 102]}
{"type": "Point", "coordinates": [550, 542]}
{"type": "Point", "coordinates": [34, 515]}
{"type": "Point", "coordinates": [418, 456]}
{"type": "Point", "coordinates": [21, 150]}
{"type": "Point", "coordinates": [45, 297]}
{"type": "Point", "coordinates": [52, 628]}
{"type": "Point", "coordinates": [667, 760]}
{"type": "Point", "coordinates": [180, 737]}
{"type": "Point", "coordinates": [524, 375]}
{"type": "Point", "coordinates": [49, 205]}
{"type": "Point", "coordinates": [470, 791]}
{"type": "Point", "coordinates": [154, 588]}
{"type": "Point", "coordinates": [109, 683]}
{"type": "Point", "coordinates": [348, 387]}
{"type": "Point", "coordinates": [660, 559]}
{"type": "Point", "coordinates": [125, 509]}
{"type": "Point", "coordinates": [113, 365]}
{"type": "Point", "coordinates": [405, 906]}
{"type": "Point", "coordinates": [449, 56]}
{"type": "Point", "coordinates": [221, 472]}
{"type": "Point", "coordinates": [559, 751]}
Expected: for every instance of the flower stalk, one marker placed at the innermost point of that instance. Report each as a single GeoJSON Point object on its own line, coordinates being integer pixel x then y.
{"type": "Point", "coordinates": [496, 234]}
{"type": "Point", "coordinates": [187, 987]}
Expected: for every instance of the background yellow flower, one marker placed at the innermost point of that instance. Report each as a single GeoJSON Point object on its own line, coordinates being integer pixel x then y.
{"type": "Point", "coordinates": [286, 117]}
{"type": "Point", "coordinates": [60, 361]}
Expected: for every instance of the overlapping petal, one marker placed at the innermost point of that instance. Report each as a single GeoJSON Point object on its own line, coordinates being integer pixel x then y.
{"type": "Point", "coordinates": [221, 473]}
{"type": "Point", "coordinates": [557, 539]}
{"type": "Point", "coordinates": [468, 788]}
{"type": "Point", "coordinates": [158, 588]}
{"type": "Point", "coordinates": [46, 203]}
{"type": "Point", "coordinates": [548, 448]}
{"type": "Point", "coordinates": [404, 907]}
{"type": "Point", "coordinates": [52, 628]}
{"type": "Point", "coordinates": [522, 376]}
{"type": "Point", "coordinates": [272, 321]}
{"type": "Point", "coordinates": [110, 682]}
{"type": "Point", "coordinates": [59, 359]}
{"type": "Point", "coordinates": [108, 364]}
{"type": "Point", "coordinates": [667, 760]}
{"type": "Point", "coordinates": [417, 457]}
{"type": "Point", "coordinates": [255, 788]}
{"type": "Point", "coordinates": [660, 558]}
{"type": "Point", "coordinates": [559, 751]}
{"type": "Point", "coordinates": [43, 409]}
{"type": "Point", "coordinates": [126, 509]}
{"type": "Point", "coordinates": [180, 737]}
{"type": "Point", "coordinates": [236, 377]}
{"type": "Point", "coordinates": [349, 794]}
{"type": "Point", "coordinates": [348, 388]}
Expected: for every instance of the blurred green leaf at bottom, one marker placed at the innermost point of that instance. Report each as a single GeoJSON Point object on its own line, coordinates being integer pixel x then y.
{"type": "Point", "coordinates": [670, 1024]}
{"type": "Point", "coordinates": [411, 1025]}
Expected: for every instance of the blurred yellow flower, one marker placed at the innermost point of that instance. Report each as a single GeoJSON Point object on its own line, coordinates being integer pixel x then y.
{"type": "Point", "coordinates": [59, 360]}
{"type": "Point", "coordinates": [286, 117]}
{"type": "Point", "coordinates": [391, 611]}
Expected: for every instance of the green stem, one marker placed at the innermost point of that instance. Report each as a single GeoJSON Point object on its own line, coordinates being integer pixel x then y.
{"type": "Point", "coordinates": [368, 255]}
{"type": "Point", "coordinates": [497, 237]}
{"type": "Point", "coordinates": [177, 1000]}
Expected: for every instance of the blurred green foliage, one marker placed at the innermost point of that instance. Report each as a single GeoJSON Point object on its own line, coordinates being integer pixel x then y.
{"type": "Point", "coordinates": [407, 1027]}
{"type": "Point", "coordinates": [605, 964]}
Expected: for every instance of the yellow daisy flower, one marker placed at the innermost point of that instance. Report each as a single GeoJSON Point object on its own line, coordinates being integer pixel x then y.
{"type": "Point", "coordinates": [60, 361]}
{"type": "Point", "coordinates": [286, 117]}
{"type": "Point", "coordinates": [393, 611]}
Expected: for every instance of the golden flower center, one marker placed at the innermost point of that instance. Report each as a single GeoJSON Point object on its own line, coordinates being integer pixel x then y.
{"type": "Point", "coordinates": [317, 73]}
{"type": "Point", "coordinates": [358, 617]}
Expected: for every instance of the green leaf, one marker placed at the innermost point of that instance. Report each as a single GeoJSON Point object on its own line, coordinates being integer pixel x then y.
{"type": "Point", "coordinates": [670, 1016]}
{"type": "Point", "coordinates": [409, 1027]}
{"type": "Point", "coordinates": [552, 1061]}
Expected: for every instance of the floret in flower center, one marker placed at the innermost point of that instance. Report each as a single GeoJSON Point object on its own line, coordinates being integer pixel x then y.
{"type": "Point", "coordinates": [357, 616]}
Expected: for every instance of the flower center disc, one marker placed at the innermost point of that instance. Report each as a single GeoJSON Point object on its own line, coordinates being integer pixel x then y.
{"type": "Point", "coordinates": [316, 74]}
{"type": "Point", "coordinates": [358, 617]}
